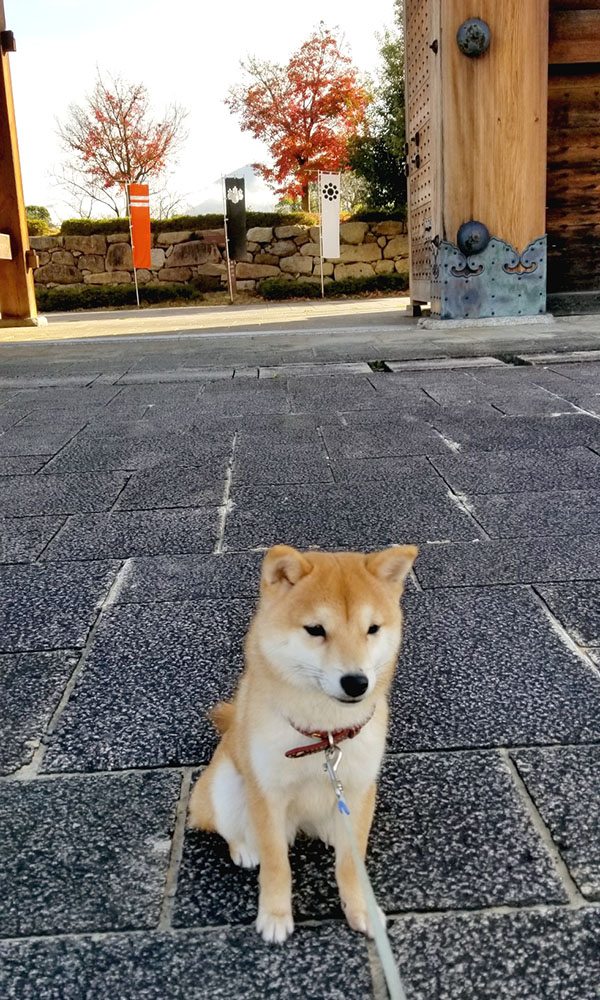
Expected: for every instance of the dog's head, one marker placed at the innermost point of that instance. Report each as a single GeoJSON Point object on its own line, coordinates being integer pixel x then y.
{"type": "Point", "coordinates": [332, 621]}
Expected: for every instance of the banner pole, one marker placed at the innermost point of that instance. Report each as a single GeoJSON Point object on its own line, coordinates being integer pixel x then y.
{"type": "Point", "coordinates": [320, 203]}
{"type": "Point", "coordinates": [229, 278]}
{"type": "Point", "coordinates": [128, 199]}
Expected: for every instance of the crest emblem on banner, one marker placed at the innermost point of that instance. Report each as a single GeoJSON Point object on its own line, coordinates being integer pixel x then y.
{"type": "Point", "coordinates": [235, 194]}
{"type": "Point", "coordinates": [331, 191]}
{"type": "Point", "coordinates": [330, 188]}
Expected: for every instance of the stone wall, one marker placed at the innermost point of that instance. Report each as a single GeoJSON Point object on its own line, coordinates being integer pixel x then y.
{"type": "Point", "coordinates": [279, 251]}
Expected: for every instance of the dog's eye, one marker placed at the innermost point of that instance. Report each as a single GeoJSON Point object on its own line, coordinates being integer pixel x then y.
{"type": "Point", "coordinates": [315, 630]}
{"type": "Point", "coordinates": [373, 629]}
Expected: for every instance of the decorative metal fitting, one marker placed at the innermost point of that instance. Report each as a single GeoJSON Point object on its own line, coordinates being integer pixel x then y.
{"type": "Point", "coordinates": [473, 237]}
{"type": "Point", "coordinates": [474, 37]}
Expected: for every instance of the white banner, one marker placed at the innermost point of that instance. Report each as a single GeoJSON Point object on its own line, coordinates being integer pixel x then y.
{"type": "Point", "coordinates": [329, 194]}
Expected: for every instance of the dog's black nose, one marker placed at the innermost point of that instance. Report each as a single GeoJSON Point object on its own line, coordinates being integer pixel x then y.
{"type": "Point", "coordinates": [354, 684]}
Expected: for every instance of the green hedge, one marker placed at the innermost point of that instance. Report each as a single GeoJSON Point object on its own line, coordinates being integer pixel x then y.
{"type": "Point", "coordinates": [68, 297]}
{"type": "Point", "coordinates": [91, 227]}
{"type": "Point", "coordinates": [39, 227]}
{"type": "Point", "coordinates": [280, 288]}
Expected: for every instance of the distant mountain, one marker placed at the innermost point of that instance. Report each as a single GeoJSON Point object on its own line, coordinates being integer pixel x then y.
{"type": "Point", "coordinates": [259, 197]}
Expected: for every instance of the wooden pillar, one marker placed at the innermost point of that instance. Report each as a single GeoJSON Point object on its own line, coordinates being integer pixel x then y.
{"type": "Point", "coordinates": [17, 295]}
{"type": "Point", "coordinates": [477, 136]}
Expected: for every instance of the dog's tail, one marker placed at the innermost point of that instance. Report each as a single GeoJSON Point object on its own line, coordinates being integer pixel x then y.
{"type": "Point", "coordinates": [222, 716]}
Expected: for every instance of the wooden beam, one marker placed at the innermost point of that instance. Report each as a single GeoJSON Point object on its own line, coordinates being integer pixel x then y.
{"type": "Point", "coordinates": [17, 294]}
{"type": "Point", "coordinates": [574, 36]}
{"type": "Point", "coordinates": [494, 121]}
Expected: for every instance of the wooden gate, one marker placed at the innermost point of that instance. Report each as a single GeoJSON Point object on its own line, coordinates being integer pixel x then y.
{"type": "Point", "coordinates": [421, 132]}
{"type": "Point", "coordinates": [573, 194]}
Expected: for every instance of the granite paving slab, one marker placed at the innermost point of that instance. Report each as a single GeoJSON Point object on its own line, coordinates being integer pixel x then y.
{"type": "Point", "coordinates": [329, 393]}
{"type": "Point", "coordinates": [509, 956]}
{"type": "Point", "coordinates": [516, 471]}
{"type": "Point", "coordinates": [25, 496]}
{"type": "Point", "coordinates": [384, 435]}
{"type": "Point", "coordinates": [85, 415]}
{"type": "Point", "coordinates": [149, 393]}
{"type": "Point", "coordinates": [577, 606]}
{"type": "Point", "coordinates": [522, 399]}
{"type": "Point", "coordinates": [408, 474]}
{"type": "Point", "coordinates": [449, 832]}
{"type": "Point", "coordinates": [291, 466]}
{"type": "Point", "coordinates": [580, 371]}
{"type": "Point", "coordinates": [483, 431]}
{"type": "Point", "coordinates": [22, 539]}
{"type": "Point", "coordinates": [191, 578]}
{"type": "Point", "coordinates": [61, 397]}
{"type": "Point", "coordinates": [170, 485]}
{"type": "Point", "coordinates": [483, 667]}
{"type": "Point", "coordinates": [353, 515]}
{"type": "Point", "coordinates": [86, 853]}
{"type": "Point", "coordinates": [526, 560]}
{"type": "Point", "coordinates": [35, 440]}
{"type": "Point", "coordinates": [100, 451]}
{"type": "Point", "coordinates": [19, 465]}
{"type": "Point", "coordinates": [31, 685]}
{"type": "Point", "coordinates": [316, 963]}
{"type": "Point", "coordinates": [142, 696]}
{"type": "Point", "coordinates": [564, 783]}
{"type": "Point", "coordinates": [125, 533]}
{"type": "Point", "coordinates": [51, 606]}
{"type": "Point", "coordinates": [547, 512]}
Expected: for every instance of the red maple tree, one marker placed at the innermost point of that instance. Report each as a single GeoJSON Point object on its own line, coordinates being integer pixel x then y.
{"type": "Point", "coordinates": [116, 141]}
{"type": "Point", "coordinates": [305, 112]}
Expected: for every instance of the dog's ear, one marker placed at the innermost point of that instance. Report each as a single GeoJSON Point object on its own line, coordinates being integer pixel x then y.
{"type": "Point", "coordinates": [392, 565]}
{"type": "Point", "coordinates": [284, 565]}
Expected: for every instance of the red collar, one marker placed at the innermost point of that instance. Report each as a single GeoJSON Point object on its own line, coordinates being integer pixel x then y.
{"type": "Point", "coordinates": [323, 737]}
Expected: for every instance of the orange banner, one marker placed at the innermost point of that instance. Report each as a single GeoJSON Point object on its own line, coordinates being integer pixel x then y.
{"type": "Point", "coordinates": [141, 241]}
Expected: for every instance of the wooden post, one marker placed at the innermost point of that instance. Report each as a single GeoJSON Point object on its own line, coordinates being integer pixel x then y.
{"type": "Point", "coordinates": [17, 295]}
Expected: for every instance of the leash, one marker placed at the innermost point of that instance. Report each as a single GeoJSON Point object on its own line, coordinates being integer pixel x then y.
{"type": "Point", "coordinates": [333, 756]}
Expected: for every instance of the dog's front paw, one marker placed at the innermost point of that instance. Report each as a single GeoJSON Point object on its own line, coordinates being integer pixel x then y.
{"type": "Point", "coordinates": [359, 919]}
{"type": "Point", "coordinates": [243, 855]}
{"type": "Point", "coordinates": [274, 927]}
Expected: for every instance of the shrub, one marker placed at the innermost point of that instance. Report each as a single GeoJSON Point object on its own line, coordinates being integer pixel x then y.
{"type": "Point", "coordinates": [39, 227]}
{"type": "Point", "coordinates": [280, 288]}
{"type": "Point", "coordinates": [91, 227]}
{"type": "Point", "coordinates": [67, 297]}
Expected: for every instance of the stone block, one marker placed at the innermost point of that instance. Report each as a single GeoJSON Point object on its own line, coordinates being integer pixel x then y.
{"type": "Point", "coordinates": [311, 250]}
{"type": "Point", "coordinates": [214, 236]}
{"type": "Point", "coordinates": [63, 257]}
{"type": "Point", "coordinates": [398, 247]}
{"type": "Point", "coordinates": [384, 267]}
{"type": "Point", "coordinates": [296, 264]}
{"type": "Point", "coordinates": [245, 286]}
{"type": "Point", "coordinates": [359, 270]}
{"type": "Point", "coordinates": [168, 239]}
{"type": "Point", "coordinates": [353, 232]}
{"type": "Point", "coordinates": [301, 240]}
{"type": "Point", "coordinates": [86, 244]}
{"type": "Point", "coordinates": [157, 258]}
{"type": "Point", "coordinates": [389, 228]}
{"type": "Point", "coordinates": [45, 242]}
{"type": "Point", "coordinates": [370, 238]}
{"type": "Point", "coordinates": [216, 270]}
{"type": "Point", "coordinates": [401, 265]}
{"type": "Point", "coordinates": [244, 270]}
{"type": "Point", "coordinates": [327, 268]}
{"type": "Point", "coordinates": [314, 233]}
{"type": "Point", "coordinates": [194, 252]}
{"type": "Point", "coordinates": [91, 262]}
{"type": "Point", "coordinates": [108, 278]}
{"type": "Point", "coordinates": [289, 232]}
{"type": "Point", "coordinates": [350, 254]}
{"type": "Point", "coordinates": [381, 241]}
{"type": "Point", "coordinates": [283, 248]}
{"type": "Point", "coordinates": [144, 276]}
{"type": "Point", "coordinates": [119, 257]}
{"type": "Point", "coordinates": [58, 274]}
{"type": "Point", "coordinates": [267, 258]}
{"type": "Point", "coordinates": [116, 237]}
{"type": "Point", "coordinates": [252, 247]}
{"type": "Point", "coordinates": [175, 274]}
{"type": "Point", "coordinates": [43, 258]}
{"type": "Point", "coordinates": [260, 234]}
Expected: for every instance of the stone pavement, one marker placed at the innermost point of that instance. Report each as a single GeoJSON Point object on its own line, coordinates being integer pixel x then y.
{"type": "Point", "coordinates": [138, 491]}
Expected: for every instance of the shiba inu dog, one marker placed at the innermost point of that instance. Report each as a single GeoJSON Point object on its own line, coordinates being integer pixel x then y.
{"type": "Point", "coordinates": [320, 655]}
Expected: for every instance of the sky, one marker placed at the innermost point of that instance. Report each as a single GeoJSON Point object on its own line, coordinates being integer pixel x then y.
{"type": "Point", "coordinates": [185, 51]}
